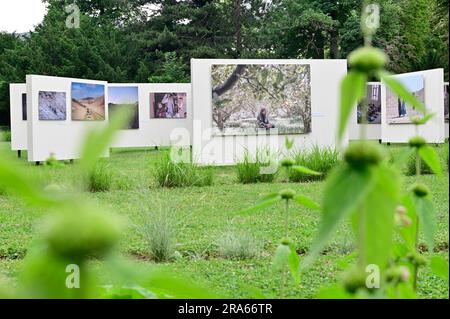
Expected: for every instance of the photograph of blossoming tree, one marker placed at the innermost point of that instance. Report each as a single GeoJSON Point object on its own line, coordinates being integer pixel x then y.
{"type": "Point", "coordinates": [260, 98]}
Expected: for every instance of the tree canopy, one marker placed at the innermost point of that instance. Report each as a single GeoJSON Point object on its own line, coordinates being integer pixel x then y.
{"type": "Point", "coordinates": [154, 40]}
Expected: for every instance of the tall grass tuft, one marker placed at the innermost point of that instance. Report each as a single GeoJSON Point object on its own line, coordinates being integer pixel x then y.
{"type": "Point", "coordinates": [318, 159]}
{"type": "Point", "coordinates": [238, 245]}
{"type": "Point", "coordinates": [249, 171]}
{"type": "Point", "coordinates": [159, 232]}
{"type": "Point", "coordinates": [100, 180]}
{"type": "Point", "coordinates": [171, 174]}
{"type": "Point", "coordinates": [5, 136]}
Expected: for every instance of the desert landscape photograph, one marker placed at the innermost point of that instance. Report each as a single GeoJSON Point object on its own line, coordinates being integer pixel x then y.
{"type": "Point", "coordinates": [125, 97]}
{"type": "Point", "coordinates": [260, 98]}
{"type": "Point", "coordinates": [52, 106]}
{"type": "Point", "coordinates": [88, 102]}
{"type": "Point", "coordinates": [397, 110]}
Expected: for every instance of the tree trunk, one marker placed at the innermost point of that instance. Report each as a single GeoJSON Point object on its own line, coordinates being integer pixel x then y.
{"type": "Point", "coordinates": [334, 44]}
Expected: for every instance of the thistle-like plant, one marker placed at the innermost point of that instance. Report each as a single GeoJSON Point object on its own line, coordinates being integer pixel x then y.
{"type": "Point", "coordinates": [286, 253]}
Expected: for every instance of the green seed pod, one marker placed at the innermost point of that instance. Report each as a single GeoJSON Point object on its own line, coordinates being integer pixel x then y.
{"type": "Point", "coordinates": [416, 119]}
{"type": "Point", "coordinates": [417, 259]}
{"type": "Point", "coordinates": [420, 190]}
{"type": "Point", "coordinates": [398, 273]}
{"type": "Point", "coordinates": [287, 162]}
{"type": "Point", "coordinates": [286, 242]}
{"type": "Point", "coordinates": [287, 194]}
{"type": "Point", "coordinates": [362, 155]}
{"type": "Point", "coordinates": [417, 142]}
{"type": "Point", "coordinates": [354, 279]}
{"type": "Point", "coordinates": [367, 59]}
{"type": "Point", "coordinates": [81, 232]}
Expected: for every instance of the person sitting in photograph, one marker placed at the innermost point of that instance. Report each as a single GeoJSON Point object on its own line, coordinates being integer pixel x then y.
{"type": "Point", "coordinates": [160, 111]}
{"type": "Point", "coordinates": [263, 120]}
{"type": "Point", "coordinates": [403, 107]}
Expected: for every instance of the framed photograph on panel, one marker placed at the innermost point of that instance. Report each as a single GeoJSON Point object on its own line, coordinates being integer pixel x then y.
{"type": "Point", "coordinates": [168, 105]}
{"type": "Point", "coordinates": [52, 106]}
{"type": "Point", "coordinates": [24, 106]}
{"type": "Point", "coordinates": [249, 99]}
{"type": "Point", "coordinates": [125, 97]}
{"type": "Point", "coordinates": [373, 100]}
{"type": "Point", "coordinates": [397, 110]}
{"type": "Point", "coordinates": [88, 102]}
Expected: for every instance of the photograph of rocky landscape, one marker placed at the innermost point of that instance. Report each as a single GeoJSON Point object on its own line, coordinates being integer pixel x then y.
{"type": "Point", "coordinates": [88, 102]}
{"type": "Point", "coordinates": [261, 98]}
{"type": "Point", "coordinates": [52, 106]}
{"type": "Point", "coordinates": [397, 110]}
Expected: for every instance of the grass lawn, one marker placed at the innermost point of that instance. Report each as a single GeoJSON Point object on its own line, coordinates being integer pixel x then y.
{"type": "Point", "coordinates": [203, 214]}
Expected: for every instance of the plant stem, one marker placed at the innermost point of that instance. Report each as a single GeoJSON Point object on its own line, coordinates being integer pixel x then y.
{"type": "Point", "coordinates": [286, 219]}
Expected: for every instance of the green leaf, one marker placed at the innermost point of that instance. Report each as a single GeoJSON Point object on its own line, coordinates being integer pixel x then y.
{"type": "Point", "coordinates": [439, 266]}
{"type": "Point", "coordinates": [427, 218]}
{"type": "Point", "coordinates": [430, 157]}
{"type": "Point", "coordinates": [294, 264]}
{"type": "Point", "coordinates": [98, 141]}
{"type": "Point", "coordinates": [353, 89]}
{"type": "Point", "coordinates": [305, 201]}
{"type": "Point", "coordinates": [424, 119]}
{"type": "Point", "coordinates": [374, 222]}
{"type": "Point", "coordinates": [345, 189]}
{"type": "Point", "coordinates": [409, 233]}
{"type": "Point", "coordinates": [16, 180]}
{"type": "Point", "coordinates": [401, 91]}
{"type": "Point", "coordinates": [261, 204]}
{"type": "Point", "coordinates": [305, 170]}
{"type": "Point", "coordinates": [281, 257]}
{"type": "Point", "coordinates": [404, 156]}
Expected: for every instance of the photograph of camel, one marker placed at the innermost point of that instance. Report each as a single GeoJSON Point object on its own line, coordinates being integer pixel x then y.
{"type": "Point", "coordinates": [168, 106]}
{"type": "Point", "coordinates": [125, 97]}
{"type": "Point", "coordinates": [446, 103]}
{"type": "Point", "coordinates": [261, 98]}
{"type": "Point", "coordinates": [397, 110]}
{"type": "Point", "coordinates": [88, 102]}
{"type": "Point", "coordinates": [373, 100]}
{"type": "Point", "coordinates": [24, 107]}
{"type": "Point", "coordinates": [52, 106]}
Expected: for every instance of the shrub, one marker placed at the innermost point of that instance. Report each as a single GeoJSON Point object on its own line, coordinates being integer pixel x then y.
{"type": "Point", "coordinates": [5, 136]}
{"type": "Point", "coordinates": [100, 179]}
{"type": "Point", "coordinates": [159, 232]}
{"type": "Point", "coordinates": [171, 174]}
{"type": "Point", "coordinates": [249, 167]}
{"type": "Point", "coordinates": [238, 245]}
{"type": "Point", "coordinates": [318, 159]}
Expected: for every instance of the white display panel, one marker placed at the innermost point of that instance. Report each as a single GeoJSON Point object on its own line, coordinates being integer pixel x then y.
{"type": "Point", "coordinates": [62, 138]}
{"type": "Point", "coordinates": [157, 131]}
{"type": "Point", "coordinates": [326, 76]}
{"type": "Point", "coordinates": [19, 126]}
{"type": "Point", "coordinates": [372, 131]}
{"type": "Point", "coordinates": [434, 130]}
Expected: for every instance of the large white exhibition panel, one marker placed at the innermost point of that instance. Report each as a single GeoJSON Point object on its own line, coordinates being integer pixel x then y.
{"type": "Point", "coordinates": [434, 130]}
{"type": "Point", "coordinates": [63, 139]}
{"type": "Point", "coordinates": [326, 76]}
{"type": "Point", "coordinates": [18, 125]}
{"type": "Point", "coordinates": [155, 131]}
{"type": "Point", "coordinates": [372, 131]}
